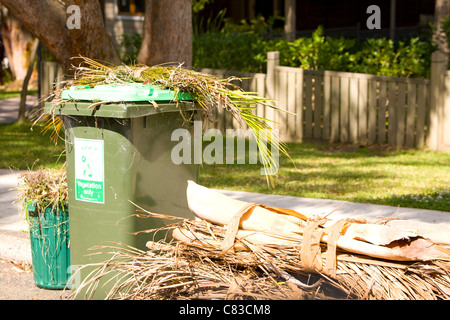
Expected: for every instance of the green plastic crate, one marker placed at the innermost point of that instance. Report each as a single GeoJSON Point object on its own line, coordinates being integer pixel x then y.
{"type": "Point", "coordinates": [50, 252]}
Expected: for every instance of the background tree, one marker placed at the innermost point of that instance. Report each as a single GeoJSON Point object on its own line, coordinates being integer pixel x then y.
{"type": "Point", "coordinates": [26, 80]}
{"type": "Point", "coordinates": [167, 32]}
{"type": "Point", "coordinates": [17, 42]}
{"type": "Point", "coordinates": [46, 20]}
{"type": "Point", "coordinates": [441, 10]}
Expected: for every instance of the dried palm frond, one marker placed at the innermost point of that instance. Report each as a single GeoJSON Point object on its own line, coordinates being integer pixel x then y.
{"type": "Point", "coordinates": [197, 267]}
{"type": "Point", "coordinates": [171, 271]}
{"type": "Point", "coordinates": [359, 276]}
{"type": "Point", "coordinates": [351, 258]}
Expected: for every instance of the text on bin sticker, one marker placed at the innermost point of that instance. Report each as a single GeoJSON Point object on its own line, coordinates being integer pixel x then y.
{"type": "Point", "coordinates": [89, 170]}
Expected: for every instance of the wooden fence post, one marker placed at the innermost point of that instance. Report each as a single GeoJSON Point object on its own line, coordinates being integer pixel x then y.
{"type": "Point", "coordinates": [51, 74]}
{"type": "Point", "coordinates": [273, 61]}
{"type": "Point", "coordinates": [438, 68]}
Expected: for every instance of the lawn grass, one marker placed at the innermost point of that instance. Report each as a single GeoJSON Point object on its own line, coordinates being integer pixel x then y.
{"type": "Point", "coordinates": [6, 94]}
{"type": "Point", "coordinates": [23, 149]}
{"type": "Point", "coordinates": [406, 178]}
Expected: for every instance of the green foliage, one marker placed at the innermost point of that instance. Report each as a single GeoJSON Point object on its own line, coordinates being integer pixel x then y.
{"type": "Point", "coordinates": [244, 48]}
{"type": "Point", "coordinates": [404, 59]}
{"type": "Point", "coordinates": [445, 23]}
{"type": "Point", "coordinates": [230, 51]}
{"type": "Point", "coordinates": [230, 46]}
{"type": "Point", "coordinates": [199, 5]}
{"type": "Point", "coordinates": [258, 25]}
{"type": "Point", "coordinates": [446, 26]}
{"type": "Point", "coordinates": [129, 47]}
{"type": "Point", "coordinates": [317, 52]}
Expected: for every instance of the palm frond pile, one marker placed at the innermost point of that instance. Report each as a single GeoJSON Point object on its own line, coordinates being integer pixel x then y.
{"type": "Point", "coordinates": [238, 250]}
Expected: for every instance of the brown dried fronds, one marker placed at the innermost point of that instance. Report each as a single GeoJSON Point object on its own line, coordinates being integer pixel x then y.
{"type": "Point", "coordinates": [197, 267]}
{"type": "Point", "coordinates": [179, 272]}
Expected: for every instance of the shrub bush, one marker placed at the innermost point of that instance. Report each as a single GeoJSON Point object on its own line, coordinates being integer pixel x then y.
{"type": "Point", "coordinates": [129, 47]}
{"type": "Point", "coordinates": [246, 51]}
{"type": "Point", "coordinates": [410, 58]}
{"type": "Point", "coordinates": [244, 48]}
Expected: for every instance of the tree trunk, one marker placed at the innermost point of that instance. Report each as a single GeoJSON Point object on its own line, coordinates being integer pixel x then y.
{"type": "Point", "coordinates": [290, 26]}
{"type": "Point", "coordinates": [167, 33]}
{"type": "Point", "coordinates": [46, 20]}
{"type": "Point", "coordinates": [441, 9]}
{"type": "Point", "coordinates": [17, 42]}
{"type": "Point", "coordinates": [23, 94]}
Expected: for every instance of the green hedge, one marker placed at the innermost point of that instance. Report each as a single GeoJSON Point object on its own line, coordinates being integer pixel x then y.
{"type": "Point", "coordinates": [247, 51]}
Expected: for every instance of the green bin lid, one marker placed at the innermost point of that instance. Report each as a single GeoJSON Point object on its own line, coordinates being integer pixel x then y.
{"type": "Point", "coordinates": [123, 92]}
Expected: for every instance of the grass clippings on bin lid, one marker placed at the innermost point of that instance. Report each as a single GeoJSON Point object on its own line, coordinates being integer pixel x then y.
{"type": "Point", "coordinates": [206, 90]}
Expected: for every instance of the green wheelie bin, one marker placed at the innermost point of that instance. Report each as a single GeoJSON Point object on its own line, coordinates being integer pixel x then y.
{"type": "Point", "coordinates": [118, 156]}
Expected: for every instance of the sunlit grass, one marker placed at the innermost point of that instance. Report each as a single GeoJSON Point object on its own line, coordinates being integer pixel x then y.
{"type": "Point", "coordinates": [22, 148]}
{"type": "Point", "coordinates": [409, 178]}
{"type": "Point", "coordinates": [6, 94]}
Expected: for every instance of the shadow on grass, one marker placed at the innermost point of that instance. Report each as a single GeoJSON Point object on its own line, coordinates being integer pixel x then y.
{"type": "Point", "coordinates": [23, 148]}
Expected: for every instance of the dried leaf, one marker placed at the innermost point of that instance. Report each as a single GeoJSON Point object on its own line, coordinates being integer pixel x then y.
{"type": "Point", "coordinates": [377, 234]}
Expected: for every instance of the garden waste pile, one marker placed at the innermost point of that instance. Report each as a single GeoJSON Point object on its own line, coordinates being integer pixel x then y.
{"type": "Point", "coordinates": [206, 91]}
{"type": "Point", "coordinates": [240, 250]}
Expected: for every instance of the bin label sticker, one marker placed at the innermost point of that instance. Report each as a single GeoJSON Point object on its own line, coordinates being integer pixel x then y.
{"type": "Point", "coordinates": [89, 170]}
